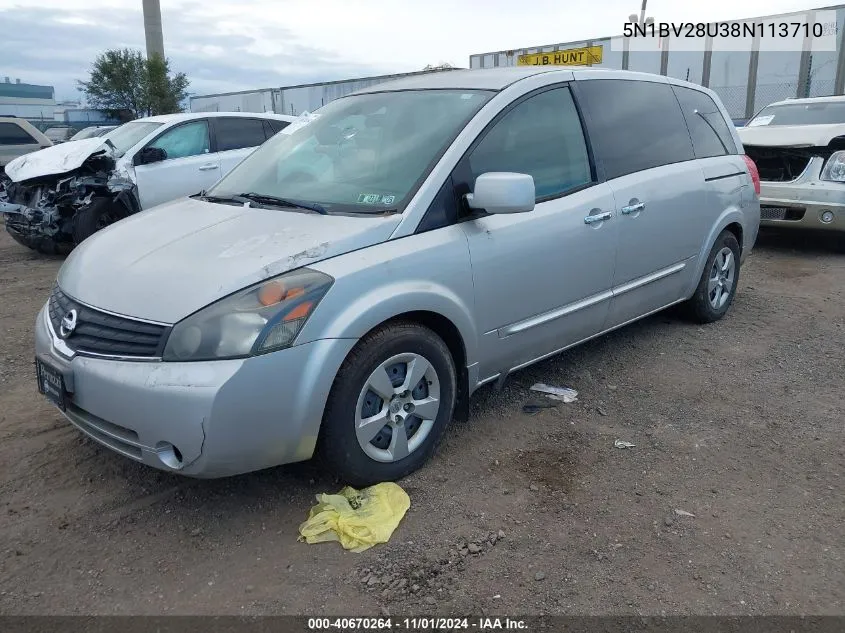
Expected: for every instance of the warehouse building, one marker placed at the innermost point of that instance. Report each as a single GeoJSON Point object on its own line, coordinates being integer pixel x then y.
{"type": "Point", "coordinates": [292, 100]}
{"type": "Point", "coordinates": [26, 101]}
{"type": "Point", "coordinates": [752, 73]}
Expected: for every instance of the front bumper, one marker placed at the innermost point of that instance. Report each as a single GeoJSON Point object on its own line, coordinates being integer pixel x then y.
{"type": "Point", "coordinates": [36, 229]}
{"type": "Point", "coordinates": [801, 204]}
{"type": "Point", "coordinates": [202, 419]}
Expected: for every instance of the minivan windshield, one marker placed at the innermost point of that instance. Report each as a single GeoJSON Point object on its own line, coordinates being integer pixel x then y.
{"type": "Point", "coordinates": [126, 136]}
{"type": "Point", "coordinates": [800, 114]}
{"type": "Point", "coordinates": [360, 154]}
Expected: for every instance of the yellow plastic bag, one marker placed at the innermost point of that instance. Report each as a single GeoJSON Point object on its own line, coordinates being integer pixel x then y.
{"type": "Point", "coordinates": [357, 519]}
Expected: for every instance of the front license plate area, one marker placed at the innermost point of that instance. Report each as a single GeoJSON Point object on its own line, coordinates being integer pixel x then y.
{"type": "Point", "coordinates": [51, 383]}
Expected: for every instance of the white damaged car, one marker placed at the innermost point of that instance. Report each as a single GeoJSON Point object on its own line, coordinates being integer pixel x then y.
{"type": "Point", "coordinates": [798, 146]}
{"type": "Point", "coordinates": [61, 195]}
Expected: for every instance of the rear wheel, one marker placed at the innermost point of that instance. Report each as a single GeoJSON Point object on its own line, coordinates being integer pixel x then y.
{"type": "Point", "coordinates": [389, 405]}
{"type": "Point", "coordinates": [717, 286]}
{"type": "Point", "coordinates": [90, 219]}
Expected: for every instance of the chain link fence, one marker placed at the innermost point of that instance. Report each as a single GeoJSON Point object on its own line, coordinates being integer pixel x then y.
{"type": "Point", "coordinates": [734, 99]}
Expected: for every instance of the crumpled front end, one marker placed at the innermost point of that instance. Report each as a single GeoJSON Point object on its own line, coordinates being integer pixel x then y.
{"type": "Point", "coordinates": [50, 214]}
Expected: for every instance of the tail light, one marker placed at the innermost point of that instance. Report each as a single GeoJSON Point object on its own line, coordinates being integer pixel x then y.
{"type": "Point", "coordinates": [755, 175]}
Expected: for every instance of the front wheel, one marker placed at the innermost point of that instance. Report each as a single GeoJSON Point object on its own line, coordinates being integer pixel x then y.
{"type": "Point", "coordinates": [717, 287]}
{"type": "Point", "coordinates": [389, 405]}
{"type": "Point", "coordinates": [99, 214]}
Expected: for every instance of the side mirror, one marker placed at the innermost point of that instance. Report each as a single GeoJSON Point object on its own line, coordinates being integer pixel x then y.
{"type": "Point", "coordinates": [150, 155]}
{"type": "Point", "coordinates": [503, 192]}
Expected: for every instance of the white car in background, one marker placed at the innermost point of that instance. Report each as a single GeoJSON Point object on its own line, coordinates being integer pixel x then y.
{"type": "Point", "coordinates": [63, 194]}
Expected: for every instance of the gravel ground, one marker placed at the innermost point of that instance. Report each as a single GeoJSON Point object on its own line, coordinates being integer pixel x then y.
{"type": "Point", "coordinates": [739, 423]}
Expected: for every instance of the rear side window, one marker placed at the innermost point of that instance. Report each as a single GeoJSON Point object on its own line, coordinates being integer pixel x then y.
{"type": "Point", "coordinates": [276, 126]}
{"type": "Point", "coordinates": [11, 134]}
{"type": "Point", "coordinates": [540, 136]}
{"type": "Point", "coordinates": [634, 125]}
{"type": "Point", "coordinates": [237, 133]}
{"type": "Point", "coordinates": [707, 127]}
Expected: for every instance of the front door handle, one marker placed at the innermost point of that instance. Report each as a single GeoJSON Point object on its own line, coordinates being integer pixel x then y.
{"type": "Point", "coordinates": [598, 217]}
{"type": "Point", "coordinates": [633, 208]}
{"type": "Point", "coordinates": [208, 167]}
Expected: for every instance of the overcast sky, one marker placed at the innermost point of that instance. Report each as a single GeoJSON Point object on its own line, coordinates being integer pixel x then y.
{"type": "Point", "coordinates": [228, 45]}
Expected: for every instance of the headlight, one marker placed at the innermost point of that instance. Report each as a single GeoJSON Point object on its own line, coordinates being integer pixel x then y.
{"type": "Point", "coordinates": [834, 168]}
{"type": "Point", "coordinates": [262, 318]}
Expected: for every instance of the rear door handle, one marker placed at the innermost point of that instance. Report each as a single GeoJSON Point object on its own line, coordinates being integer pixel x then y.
{"type": "Point", "coordinates": [208, 167]}
{"type": "Point", "coordinates": [598, 217]}
{"type": "Point", "coordinates": [633, 208]}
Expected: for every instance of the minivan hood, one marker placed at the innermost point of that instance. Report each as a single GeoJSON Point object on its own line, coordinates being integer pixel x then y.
{"type": "Point", "coordinates": [58, 159]}
{"type": "Point", "coordinates": [791, 135]}
{"type": "Point", "coordinates": [168, 262]}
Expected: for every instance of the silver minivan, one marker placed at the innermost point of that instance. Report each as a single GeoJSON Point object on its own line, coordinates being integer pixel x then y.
{"type": "Point", "coordinates": [346, 288]}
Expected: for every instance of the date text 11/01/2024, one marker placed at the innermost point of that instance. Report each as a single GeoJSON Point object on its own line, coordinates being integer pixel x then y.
{"type": "Point", "coordinates": [731, 29]}
{"type": "Point", "coordinates": [416, 624]}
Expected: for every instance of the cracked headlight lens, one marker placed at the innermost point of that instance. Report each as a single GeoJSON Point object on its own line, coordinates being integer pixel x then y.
{"type": "Point", "coordinates": [834, 168]}
{"type": "Point", "coordinates": [259, 319]}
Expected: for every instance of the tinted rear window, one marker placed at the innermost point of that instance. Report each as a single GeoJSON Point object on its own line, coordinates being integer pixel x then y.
{"type": "Point", "coordinates": [707, 127]}
{"type": "Point", "coordinates": [238, 133]}
{"type": "Point", "coordinates": [277, 126]}
{"type": "Point", "coordinates": [11, 134]}
{"type": "Point", "coordinates": [635, 125]}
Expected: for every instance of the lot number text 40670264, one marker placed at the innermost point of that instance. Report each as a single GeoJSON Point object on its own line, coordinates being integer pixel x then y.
{"type": "Point", "coordinates": [416, 624]}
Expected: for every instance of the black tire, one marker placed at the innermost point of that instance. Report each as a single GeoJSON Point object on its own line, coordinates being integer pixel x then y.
{"type": "Point", "coordinates": [338, 446]}
{"type": "Point", "coordinates": [699, 308]}
{"type": "Point", "coordinates": [90, 219]}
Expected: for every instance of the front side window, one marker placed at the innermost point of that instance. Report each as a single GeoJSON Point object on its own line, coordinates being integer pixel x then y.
{"type": "Point", "coordinates": [361, 154]}
{"type": "Point", "coordinates": [11, 134]}
{"type": "Point", "coordinates": [237, 133]}
{"type": "Point", "coordinates": [634, 125]}
{"type": "Point", "coordinates": [190, 139]}
{"type": "Point", "coordinates": [542, 137]}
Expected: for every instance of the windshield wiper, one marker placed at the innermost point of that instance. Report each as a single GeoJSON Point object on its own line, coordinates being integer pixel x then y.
{"type": "Point", "coordinates": [261, 198]}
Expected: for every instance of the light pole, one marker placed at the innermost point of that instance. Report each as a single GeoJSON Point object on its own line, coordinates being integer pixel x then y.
{"type": "Point", "coordinates": [152, 28]}
{"type": "Point", "coordinates": [640, 20]}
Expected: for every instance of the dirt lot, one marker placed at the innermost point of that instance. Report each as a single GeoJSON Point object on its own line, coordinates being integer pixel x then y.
{"type": "Point", "coordinates": [739, 423]}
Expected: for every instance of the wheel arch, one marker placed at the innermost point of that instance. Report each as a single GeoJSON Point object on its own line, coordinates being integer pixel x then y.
{"type": "Point", "coordinates": [451, 335]}
{"type": "Point", "coordinates": [731, 220]}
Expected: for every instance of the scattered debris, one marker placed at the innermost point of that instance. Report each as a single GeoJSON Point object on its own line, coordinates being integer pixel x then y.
{"type": "Point", "coordinates": [621, 444]}
{"type": "Point", "coordinates": [356, 519]}
{"type": "Point", "coordinates": [562, 394]}
{"type": "Point", "coordinates": [533, 407]}
{"type": "Point", "coordinates": [684, 513]}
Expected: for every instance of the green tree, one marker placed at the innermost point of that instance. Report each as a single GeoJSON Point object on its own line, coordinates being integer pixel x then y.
{"type": "Point", "coordinates": [124, 79]}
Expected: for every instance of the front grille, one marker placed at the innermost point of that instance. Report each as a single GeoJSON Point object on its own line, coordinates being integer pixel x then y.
{"type": "Point", "coordinates": [106, 334]}
{"type": "Point", "coordinates": [792, 214]}
{"type": "Point", "coordinates": [781, 164]}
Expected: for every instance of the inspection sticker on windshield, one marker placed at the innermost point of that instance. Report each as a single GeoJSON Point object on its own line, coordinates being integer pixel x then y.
{"type": "Point", "coordinates": [761, 120]}
{"type": "Point", "coordinates": [375, 198]}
